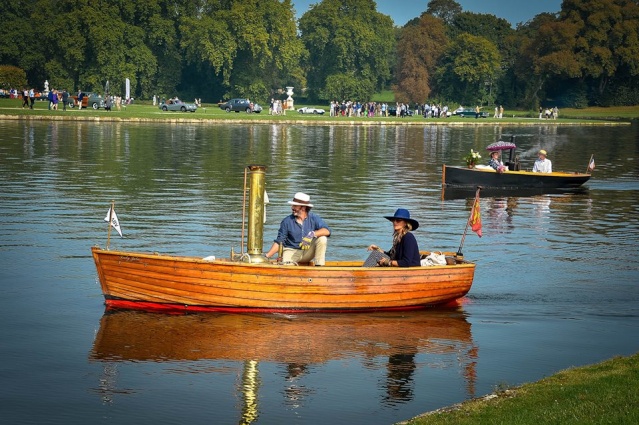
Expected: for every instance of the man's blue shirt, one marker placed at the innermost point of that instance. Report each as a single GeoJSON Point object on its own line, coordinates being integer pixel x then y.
{"type": "Point", "coordinates": [291, 232]}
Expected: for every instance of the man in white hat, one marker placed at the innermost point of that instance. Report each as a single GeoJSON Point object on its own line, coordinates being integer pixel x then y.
{"type": "Point", "coordinates": [303, 234]}
{"type": "Point", "coordinates": [543, 164]}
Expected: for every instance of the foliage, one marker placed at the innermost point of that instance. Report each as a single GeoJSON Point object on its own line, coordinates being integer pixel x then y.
{"type": "Point", "coordinates": [446, 10]}
{"type": "Point", "coordinates": [483, 25]}
{"type": "Point", "coordinates": [469, 67]}
{"type": "Point", "coordinates": [12, 77]}
{"type": "Point", "coordinates": [588, 54]}
{"type": "Point", "coordinates": [348, 38]}
{"type": "Point", "coordinates": [472, 157]}
{"type": "Point", "coordinates": [419, 49]}
{"type": "Point", "coordinates": [346, 87]}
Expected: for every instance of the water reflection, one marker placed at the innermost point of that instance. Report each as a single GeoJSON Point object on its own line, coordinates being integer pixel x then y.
{"type": "Point", "coordinates": [408, 343]}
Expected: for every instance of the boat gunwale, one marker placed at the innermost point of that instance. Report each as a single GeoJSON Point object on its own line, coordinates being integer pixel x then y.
{"type": "Point", "coordinates": [331, 265]}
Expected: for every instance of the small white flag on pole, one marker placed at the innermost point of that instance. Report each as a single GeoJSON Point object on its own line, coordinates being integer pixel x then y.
{"type": "Point", "coordinates": [115, 223]}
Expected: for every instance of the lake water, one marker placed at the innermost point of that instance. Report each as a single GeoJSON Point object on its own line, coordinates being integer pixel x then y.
{"type": "Point", "coordinates": [556, 283]}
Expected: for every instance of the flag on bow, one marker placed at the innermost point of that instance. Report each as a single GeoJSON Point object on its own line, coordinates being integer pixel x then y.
{"type": "Point", "coordinates": [113, 218]}
{"type": "Point", "coordinates": [591, 164]}
{"type": "Point", "coordinates": [475, 216]}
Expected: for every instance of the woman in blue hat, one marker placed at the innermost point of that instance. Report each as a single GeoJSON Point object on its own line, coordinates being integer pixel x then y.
{"type": "Point", "coordinates": [404, 252]}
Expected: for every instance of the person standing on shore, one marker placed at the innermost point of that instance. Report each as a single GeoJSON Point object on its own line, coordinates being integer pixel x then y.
{"type": "Point", "coordinates": [25, 98]}
{"type": "Point", "coordinates": [65, 99]}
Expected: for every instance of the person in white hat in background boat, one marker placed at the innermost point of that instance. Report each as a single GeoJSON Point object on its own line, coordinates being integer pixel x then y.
{"type": "Point", "coordinates": [543, 164]}
{"type": "Point", "coordinates": [303, 234]}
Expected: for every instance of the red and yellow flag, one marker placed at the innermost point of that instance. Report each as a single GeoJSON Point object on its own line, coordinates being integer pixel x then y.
{"type": "Point", "coordinates": [475, 216]}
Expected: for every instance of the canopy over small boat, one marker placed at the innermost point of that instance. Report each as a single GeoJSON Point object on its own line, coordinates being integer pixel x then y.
{"type": "Point", "coordinates": [500, 146]}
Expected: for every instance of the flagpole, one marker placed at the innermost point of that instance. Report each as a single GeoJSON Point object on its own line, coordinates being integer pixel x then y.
{"type": "Point", "coordinates": [588, 170]}
{"type": "Point", "coordinates": [243, 212]}
{"type": "Point", "coordinates": [109, 224]}
{"type": "Point", "coordinates": [459, 255]}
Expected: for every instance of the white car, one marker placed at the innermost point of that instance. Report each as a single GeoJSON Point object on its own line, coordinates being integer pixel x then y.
{"type": "Point", "coordinates": [309, 110]}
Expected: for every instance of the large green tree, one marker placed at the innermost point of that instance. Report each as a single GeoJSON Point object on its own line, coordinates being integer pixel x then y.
{"type": "Point", "coordinates": [20, 43]}
{"type": "Point", "coordinates": [573, 58]}
{"type": "Point", "coordinates": [468, 71]}
{"type": "Point", "coordinates": [12, 77]}
{"type": "Point", "coordinates": [251, 44]}
{"type": "Point", "coordinates": [446, 10]}
{"type": "Point", "coordinates": [347, 39]}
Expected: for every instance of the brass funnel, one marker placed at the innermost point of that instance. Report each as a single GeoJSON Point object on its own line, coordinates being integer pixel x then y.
{"type": "Point", "coordinates": [256, 213]}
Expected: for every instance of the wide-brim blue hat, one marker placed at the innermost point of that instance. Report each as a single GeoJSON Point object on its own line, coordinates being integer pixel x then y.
{"type": "Point", "coordinates": [403, 214]}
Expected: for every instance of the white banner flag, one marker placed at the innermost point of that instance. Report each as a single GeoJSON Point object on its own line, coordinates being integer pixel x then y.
{"type": "Point", "coordinates": [114, 220]}
{"type": "Point", "coordinates": [127, 89]}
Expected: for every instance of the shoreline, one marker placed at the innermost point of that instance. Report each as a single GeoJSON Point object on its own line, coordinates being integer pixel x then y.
{"type": "Point", "coordinates": [311, 121]}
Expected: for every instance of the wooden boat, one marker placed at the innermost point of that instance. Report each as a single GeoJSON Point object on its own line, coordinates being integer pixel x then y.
{"type": "Point", "coordinates": [251, 283]}
{"type": "Point", "coordinates": [512, 178]}
{"type": "Point", "coordinates": [486, 177]}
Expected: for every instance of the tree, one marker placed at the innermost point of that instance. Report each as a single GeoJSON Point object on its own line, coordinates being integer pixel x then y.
{"type": "Point", "coordinates": [483, 25]}
{"type": "Point", "coordinates": [418, 51]}
{"type": "Point", "coordinates": [20, 45]}
{"type": "Point", "coordinates": [252, 45]}
{"type": "Point", "coordinates": [606, 38]}
{"type": "Point", "coordinates": [446, 10]}
{"type": "Point", "coordinates": [470, 67]}
{"type": "Point", "coordinates": [12, 77]}
{"type": "Point", "coordinates": [349, 38]}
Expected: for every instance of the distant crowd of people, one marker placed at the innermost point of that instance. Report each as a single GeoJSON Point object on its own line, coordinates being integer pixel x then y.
{"type": "Point", "coordinates": [383, 109]}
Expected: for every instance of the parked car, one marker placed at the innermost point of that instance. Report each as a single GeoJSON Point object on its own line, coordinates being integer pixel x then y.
{"type": "Point", "coordinates": [240, 105]}
{"type": "Point", "coordinates": [392, 112]}
{"type": "Point", "coordinates": [309, 110]}
{"type": "Point", "coordinates": [92, 100]}
{"type": "Point", "coordinates": [177, 105]}
{"type": "Point", "coordinates": [470, 112]}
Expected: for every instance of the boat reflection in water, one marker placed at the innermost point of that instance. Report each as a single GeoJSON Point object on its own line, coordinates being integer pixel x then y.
{"type": "Point", "coordinates": [293, 341]}
{"type": "Point", "coordinates": [450, 193]}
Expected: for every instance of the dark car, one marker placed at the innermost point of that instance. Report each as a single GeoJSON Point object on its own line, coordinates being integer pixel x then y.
{"type": "Point", "coordinates": [240, 105]}
{"type": "Point", "coordinates": [470, 112]}
{"type": "Point", "coordinates": [392, 112]}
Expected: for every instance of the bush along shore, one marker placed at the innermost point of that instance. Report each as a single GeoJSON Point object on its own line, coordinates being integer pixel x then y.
{"type": "Point", "coordinates": [604, 393]}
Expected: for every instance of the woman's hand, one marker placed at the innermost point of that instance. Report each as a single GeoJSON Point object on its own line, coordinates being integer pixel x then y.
{"type": "Point", "coordinates": [372, 248]}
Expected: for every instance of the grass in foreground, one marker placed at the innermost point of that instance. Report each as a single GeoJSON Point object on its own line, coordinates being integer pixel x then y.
{"type": "Point", "coordinates": [605, 393]}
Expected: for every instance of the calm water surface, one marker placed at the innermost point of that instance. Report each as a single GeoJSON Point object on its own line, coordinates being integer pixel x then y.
{"type": "Point", "coordinates": [555, 286]}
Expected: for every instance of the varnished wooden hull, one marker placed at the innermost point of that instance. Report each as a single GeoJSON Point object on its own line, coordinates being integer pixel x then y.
{"type": "Point", "coordinates": [460, 177]}
{"type": "Point", "coordinates": [173, 283]}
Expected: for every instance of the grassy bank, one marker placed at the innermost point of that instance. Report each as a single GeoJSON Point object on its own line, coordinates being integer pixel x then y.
{"type": "Point", "coordinates": [11, 108]}
{"type": "Point", "coordinates": [605, 393]}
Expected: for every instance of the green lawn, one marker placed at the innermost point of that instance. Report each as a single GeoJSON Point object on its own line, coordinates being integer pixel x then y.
{"type": "Point", "coordinates": [605, 393]}
{"type": "Point", "coordinates": [145, 111]}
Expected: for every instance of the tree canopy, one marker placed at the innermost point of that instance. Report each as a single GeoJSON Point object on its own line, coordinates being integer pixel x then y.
{"type": "Point", "coordinates": [587, 54]}
{"type": "Point", "coordinates": [350, 40]}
